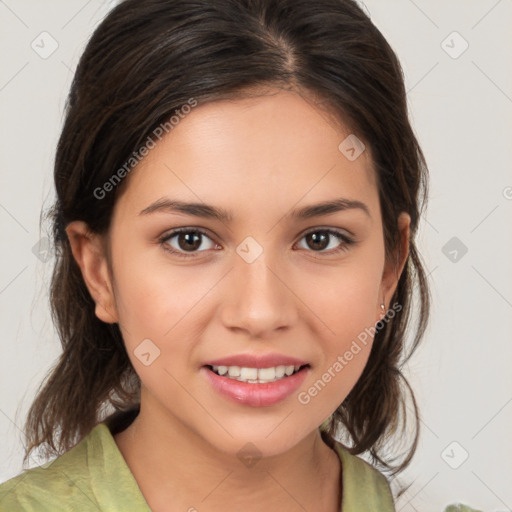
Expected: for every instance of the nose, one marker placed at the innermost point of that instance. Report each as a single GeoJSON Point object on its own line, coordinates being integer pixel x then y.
{"type": "Point", "coordinates": [259, 298]}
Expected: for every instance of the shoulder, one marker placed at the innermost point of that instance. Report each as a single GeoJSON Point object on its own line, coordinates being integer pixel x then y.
{"type": "Point", "coordinates": [92, 476]}
{"type": "Point", "coordinates": [364, 487]}
{"type": "Point", "coordinates": [54, 485]}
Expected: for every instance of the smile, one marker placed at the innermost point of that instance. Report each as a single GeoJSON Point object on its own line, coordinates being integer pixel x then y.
{"type": "Point", "coordinates": [255, 375]}
{"type": "Point", "coordinates": [255, 387]}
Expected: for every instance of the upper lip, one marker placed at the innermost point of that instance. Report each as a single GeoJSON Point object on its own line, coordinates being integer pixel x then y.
{"type": "Point", "coordinates": [257, 361]}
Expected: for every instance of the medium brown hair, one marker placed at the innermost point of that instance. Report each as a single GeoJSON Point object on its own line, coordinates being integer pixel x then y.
{"type": "Point", "coordinates": [144, 62]}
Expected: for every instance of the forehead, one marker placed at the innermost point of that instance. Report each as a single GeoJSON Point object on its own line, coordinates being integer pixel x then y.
{"type": "Point", "coordinates": [280, 148]}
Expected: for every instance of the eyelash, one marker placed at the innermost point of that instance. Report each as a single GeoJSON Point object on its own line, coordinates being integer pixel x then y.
{"type": "Point", "coordinates": [347, 241]}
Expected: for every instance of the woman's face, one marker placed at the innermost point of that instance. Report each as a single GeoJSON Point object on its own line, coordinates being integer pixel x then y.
{"type": "Point", "coordinates": [268, 286]}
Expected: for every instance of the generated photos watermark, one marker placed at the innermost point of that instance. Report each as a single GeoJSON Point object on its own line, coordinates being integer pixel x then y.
{"type": "Point", "coordinates": [137, 156]}
{"type": "Point", "coordinates": [304, 397]}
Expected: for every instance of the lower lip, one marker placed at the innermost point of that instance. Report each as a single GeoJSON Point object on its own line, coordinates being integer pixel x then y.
{"type": "Point", "coordinates": [256, 395]}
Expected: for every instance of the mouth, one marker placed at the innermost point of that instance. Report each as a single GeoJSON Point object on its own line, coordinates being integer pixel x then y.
{"type": "Point", "coordinates": [256, 380]}
{"type": "Point", "coordinates": [256, 375]}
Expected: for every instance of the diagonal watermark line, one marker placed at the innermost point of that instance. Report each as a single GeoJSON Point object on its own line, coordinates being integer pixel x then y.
{"type": "Point", "coordinates": [302, 197]}
{"type": "Point", "coordinates": [503, 407]}
{"type": "Point", "coordinates": [286, 491]}
{"type": "Point", "coordinates": [432, 271]}
{"type": "Point", "coordinates": [200, 200]}
{"type": "Point", "coordinates": [12, 12]}
{"type": "Point", "coordinates": [11, 421]}
{"type": "Point", "coordinates": [101, 6]}
{"type": "Point", "coordinates": [492, 81]}
{"type": "Point", "coordinates": [96, 11]}
{"type": "Point", "coordinates": [13, 279]}
{"type": "Point", "coordinates": [429, 429]}
{"type": "Point", "coordinates": [76, 14]}
{"type": "Point", "coordinates": [429, 223]}
{"type": "Point", "coordinates": [67, 67]}
{"type": "Point", "coordinates": [424, 13]}
{"type": "Point", "coordinates": [404, 497]}
{"type": "Point", "coordinates": [14, 76]}
{"type": "Point", "coordinates": [81, 490]}
{"type": "Point", "coordinates": [300, 300]}
{"type": "Point", "coordinates": [508, 506]}
{"type": "Point", "coordinates": [278, 425]}
{"type": "Point", "coordinates": [421, 420]}
{"type": "Point", "coordinates": [198, 301]}
{"type": "Point", "coordinates": [14, 218]}
{"type": "Point", "coordinates": [492, 211]}
{"type": "Point", "coordinates": [216, 487]}
{"type": "Point", "coordinates": [198, 402]}
{"type": "Point", "coordinates": [409, 502]}
{"type": "Point", "coordinates": [420, 80]}
{"type": "Point", "coordinates": [499, 1]}
{"type": "Point", "coordinates": [493, 287]}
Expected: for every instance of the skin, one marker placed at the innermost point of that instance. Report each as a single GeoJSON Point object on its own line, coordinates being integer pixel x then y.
{"type": "Point", "coordinates": [259, 158]}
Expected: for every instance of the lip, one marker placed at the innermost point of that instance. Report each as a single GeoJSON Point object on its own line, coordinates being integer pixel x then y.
{"type": "Point", "coordinates": [255, 395]}
{"type": "Point", "coordinates": [257, 361]}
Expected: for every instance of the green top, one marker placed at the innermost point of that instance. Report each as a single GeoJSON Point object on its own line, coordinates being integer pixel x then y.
{"type": "Point", "coordinates": [93, 476]}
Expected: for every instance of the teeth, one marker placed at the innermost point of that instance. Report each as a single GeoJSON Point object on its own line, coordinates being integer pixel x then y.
{"type": "Point", "coordinates": [266, 373]}
{"type": "Point", "coordinates": [234, 371]}
{"type": "Point", "coordinates": [248, 374]}
{"type": "Point", "coordinates": [255, 375]}
{"type": "Point", "coordinates": [280, 371]}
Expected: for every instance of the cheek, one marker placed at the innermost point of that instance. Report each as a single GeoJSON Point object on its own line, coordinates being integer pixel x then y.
{"type": "Point", "coordinates": [344, 354]}
{"type": "Point", "coordinates": [344, 299]}
{"type": "Point", "coordinates": [160, 310]}
{"type": "Point", "coordinates": [346, 305]}
{"type": "Point", "coordinates": [153, 299]}
{"type": "Point", "coordinates": [157, 311]}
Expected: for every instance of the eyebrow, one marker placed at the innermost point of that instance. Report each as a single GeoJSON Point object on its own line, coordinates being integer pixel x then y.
{"type": "Point", "coordinates": [165, 205]}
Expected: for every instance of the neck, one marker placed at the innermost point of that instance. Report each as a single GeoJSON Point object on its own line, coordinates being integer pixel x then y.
{"type": "Point", "coordinates": [173, 465]}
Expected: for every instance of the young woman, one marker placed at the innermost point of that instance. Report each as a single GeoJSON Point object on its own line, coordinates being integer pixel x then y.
{"type": "Point", "coordinates": [238, 194]}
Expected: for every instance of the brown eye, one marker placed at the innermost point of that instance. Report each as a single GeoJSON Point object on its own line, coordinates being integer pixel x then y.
{"type": "Point", "coordinates": [318, 241]}
{"type": "Point", "coordinates": [189, 241]}
{"type": "Point", "coordinates": [184, 241]}
{"type": "Point", "coordinates": [322, 239]}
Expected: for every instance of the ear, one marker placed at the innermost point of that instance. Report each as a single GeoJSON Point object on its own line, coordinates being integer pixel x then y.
{"type": "Point", "coordinates": [393, 269]}
{"type": "Point", "coordinates": [90, 254]}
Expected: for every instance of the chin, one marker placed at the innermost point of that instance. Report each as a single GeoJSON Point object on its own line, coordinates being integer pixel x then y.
{"type": "Point", "coordinates": [269, 439]}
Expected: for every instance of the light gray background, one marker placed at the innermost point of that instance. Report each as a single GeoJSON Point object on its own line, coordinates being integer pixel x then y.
{"type": "Point", "coordinates": [461, 109]}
